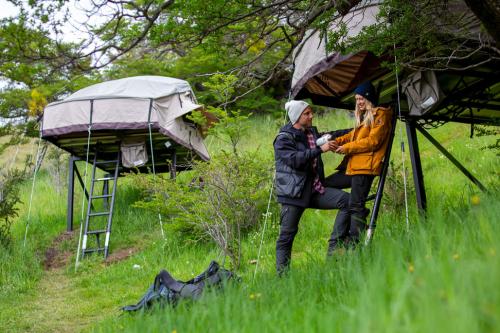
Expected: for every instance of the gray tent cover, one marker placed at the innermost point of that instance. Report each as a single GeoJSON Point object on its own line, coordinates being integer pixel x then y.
{"type": "Point", "coordinates": [329, 77]}
{"type": "Point", "coordinates": [128, 104]}
{"type": "Point", "coordinates": [319, 74]}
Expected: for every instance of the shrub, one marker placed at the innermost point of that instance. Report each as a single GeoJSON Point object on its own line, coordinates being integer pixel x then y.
{"type": "Point", "coordinates": [9, 197]}
{"type": "Point", "coordinates": [394, 189]}
{"type": "Point", "coordinates": [58, 167]}
{"type": "Point", "coordinates": [222, 202]}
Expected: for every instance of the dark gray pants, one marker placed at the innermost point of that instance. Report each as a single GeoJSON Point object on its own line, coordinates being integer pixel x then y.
{"type": "Point", "coordinates": [360, 188]}
{"type": "Point", "coordinates": [290, 216]}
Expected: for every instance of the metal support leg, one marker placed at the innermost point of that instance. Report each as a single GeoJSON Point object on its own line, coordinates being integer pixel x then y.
{"type": "Point", "coordinates": [451, 158]}
{"type": "Point", "coordinates": [105, 191]}
{"type": "Point", "coordinates": [416, 165]}
{"type": "Point", "coordinates": [381, 183]}
{"type": "Point", "coordinates": [80, 179]}
{"type": "Point", "coordinates": [71, 193]}
{"type": "Point", "coordinates": [173, 168]}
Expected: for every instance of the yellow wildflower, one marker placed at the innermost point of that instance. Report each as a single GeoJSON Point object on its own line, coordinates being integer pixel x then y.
{"type": "Point", "coordinates": [475, 200]}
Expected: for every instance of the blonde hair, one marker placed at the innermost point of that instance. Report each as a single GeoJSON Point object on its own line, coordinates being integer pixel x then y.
{"type": "Point", "coordinates": [368, 118]}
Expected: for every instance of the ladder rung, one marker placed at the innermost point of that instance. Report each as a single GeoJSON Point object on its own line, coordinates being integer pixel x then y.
{"type": "Point", "coordinates": [101, 196]}
{"type": "Point", "coordinates": [102, 179]}
{"type": "Point", "coordinates": [99, 214]}
{"type": "Point", "coordinates": [106, 162]}
{"type": "Point", "coordinates": [94, 250]}
{"type": "Point", "coordinates": [93, 232]}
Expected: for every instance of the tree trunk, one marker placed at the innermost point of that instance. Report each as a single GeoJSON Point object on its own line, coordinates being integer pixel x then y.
{"type": "Point", "coordinates": [488, 12]}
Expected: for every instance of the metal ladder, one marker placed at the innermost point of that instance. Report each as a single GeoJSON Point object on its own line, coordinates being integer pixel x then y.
{"type": "Point", "coordinates": [107, 204]}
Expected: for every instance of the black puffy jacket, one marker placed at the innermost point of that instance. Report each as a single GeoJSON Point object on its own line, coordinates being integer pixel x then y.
{"type": "Point", "coordinates": [294, 160]}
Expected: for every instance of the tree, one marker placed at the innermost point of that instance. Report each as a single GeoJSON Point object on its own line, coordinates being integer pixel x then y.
{"type": "Point", "coordinates": [441, 35]}
{"type": "Point", "coordinates": [35, 68]}
{"type": "Point", "coordinates": [488, 12]}
{"type": "Point", "coordinates": [247, 30]}
{"type": "Point", "coordinates": [252, 39]}
{"type": "Point", "coordinates": [9, 197]}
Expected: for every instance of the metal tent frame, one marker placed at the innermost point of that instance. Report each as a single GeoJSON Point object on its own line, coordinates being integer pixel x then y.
{"type": "Point", "coordinates": [472, 97]}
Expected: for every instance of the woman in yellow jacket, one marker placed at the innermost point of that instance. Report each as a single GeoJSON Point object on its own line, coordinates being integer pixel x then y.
{"type": "Point", "coordinates": [364, 148]}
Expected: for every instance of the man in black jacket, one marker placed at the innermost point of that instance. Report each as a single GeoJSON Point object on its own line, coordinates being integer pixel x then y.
{"type": "Point", "coordinates": [300, 177]}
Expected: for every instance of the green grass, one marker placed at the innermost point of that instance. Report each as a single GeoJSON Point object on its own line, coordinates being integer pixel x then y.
{"type": "Point", "coordinates": [440, 275]}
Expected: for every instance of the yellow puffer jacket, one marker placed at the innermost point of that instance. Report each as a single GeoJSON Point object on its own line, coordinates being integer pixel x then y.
{"type": "Point", "coordinates": [365, 146]}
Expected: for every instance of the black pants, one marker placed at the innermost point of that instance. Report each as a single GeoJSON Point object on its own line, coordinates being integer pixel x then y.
{"type": "Point", "coordinates": [360, 188]}
{"type": "Point", "coordinates": [290, 216]}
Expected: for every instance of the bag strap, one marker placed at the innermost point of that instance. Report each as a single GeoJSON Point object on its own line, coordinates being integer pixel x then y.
{"type": "Point", "coordinates": [185, 290]}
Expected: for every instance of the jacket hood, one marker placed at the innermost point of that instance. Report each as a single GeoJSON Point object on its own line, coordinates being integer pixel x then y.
{"type": "Point", "coordinates": [290, 129]}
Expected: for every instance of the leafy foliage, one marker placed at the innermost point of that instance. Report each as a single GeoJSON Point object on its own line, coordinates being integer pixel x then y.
{"type": "Point", "coordinates": [394, 189]}
{"type": "Point", "coordinates": [422, 34]}
{"type": "Point", "coordinates": [57, 167]}
{"type": "Point", "coordinates": [482, 130]}
{"type": "Point", "coordinates": [223, 198]}
{"type": "Point", "coordinates": [9, 197]}
{"type": "Point", "coordinates": [16, 137]}
{"type": "Point", "coordinates": [222, 202]}
{"type": "Point", "coordinates": [37, 103]}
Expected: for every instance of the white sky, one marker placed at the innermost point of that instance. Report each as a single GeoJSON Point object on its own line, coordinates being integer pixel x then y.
{"type": "Point", "coordinates": [77, 17]}
{"type": "Point", "coordinates": [7, 9]}
{"type": "Point", "coordinates": [71, 34]}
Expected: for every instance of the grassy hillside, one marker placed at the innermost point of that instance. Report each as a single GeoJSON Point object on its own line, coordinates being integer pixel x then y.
{"type": "Point", "coordinates": [441, 274]}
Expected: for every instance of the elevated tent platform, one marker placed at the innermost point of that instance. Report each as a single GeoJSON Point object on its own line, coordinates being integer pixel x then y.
{"type": "Point", "coordinates": [130, 110]}
{"type": "Point", "coordinates": [471, 96]}
{"type": "Point", "coordinates": [427, 98]}
{"type": "Point", "coordinates": [329, 78]}
{"type": "Point", "coordinates": [107, 143]}
{"type": "Point", "coordinates": [132, 124]}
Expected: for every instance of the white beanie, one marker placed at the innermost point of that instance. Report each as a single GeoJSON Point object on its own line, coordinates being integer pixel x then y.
{"type": "Point", "coordinates": [295, 109]}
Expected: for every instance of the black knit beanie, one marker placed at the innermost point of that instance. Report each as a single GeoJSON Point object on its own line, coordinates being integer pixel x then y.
{"type": "Point", "coordinates": [367, 90]}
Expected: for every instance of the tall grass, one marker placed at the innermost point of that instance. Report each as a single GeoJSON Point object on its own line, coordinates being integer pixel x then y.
{"type": "Point", "coordinates": [441, 275]}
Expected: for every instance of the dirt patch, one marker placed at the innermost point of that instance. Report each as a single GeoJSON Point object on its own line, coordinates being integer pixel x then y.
{"type": "Point", "coordinates": [120, 255]}
{"type": "Point", "coordinates": [54, 257]}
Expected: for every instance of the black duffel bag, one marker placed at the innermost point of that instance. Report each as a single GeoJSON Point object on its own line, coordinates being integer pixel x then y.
{"type": "Point", "coordinates": [168, 291]}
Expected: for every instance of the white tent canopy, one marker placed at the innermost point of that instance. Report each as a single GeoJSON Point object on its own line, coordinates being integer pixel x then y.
{"type": "Point", "coordinates": [133, 87]}
{"type": "Point", "coordinates": [319, 73]}
{"type": "Point", "coordinates": [127, 104]}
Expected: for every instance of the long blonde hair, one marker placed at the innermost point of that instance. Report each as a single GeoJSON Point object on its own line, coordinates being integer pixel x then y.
{"type": "Point", "coordinates": [368, 119]}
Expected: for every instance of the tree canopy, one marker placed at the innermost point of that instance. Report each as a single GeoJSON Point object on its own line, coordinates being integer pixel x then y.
{"type": "Point", "coordinates": [252, 40]}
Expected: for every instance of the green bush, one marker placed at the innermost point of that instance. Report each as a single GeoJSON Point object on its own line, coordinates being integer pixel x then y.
{"type": "Point", "coordinates": [222, 201]}
{"type": "Point", "coordinates": [9, 197]}
{"type": "Point", "coordinates": [394, 189]}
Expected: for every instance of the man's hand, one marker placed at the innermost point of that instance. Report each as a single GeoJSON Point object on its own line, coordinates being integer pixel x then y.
{"type": "Point", "coordinates": [334, 146]}
{"type": "Point", "coordinates": [325, 147]}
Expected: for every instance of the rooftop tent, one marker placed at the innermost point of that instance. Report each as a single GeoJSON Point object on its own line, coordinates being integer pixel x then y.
{"type": "Point", "coordinates": [121, 110]}
{"type": "Point", "coordinates": [470, 96]}
{"type": "Point", "coordinates": [327, 77]}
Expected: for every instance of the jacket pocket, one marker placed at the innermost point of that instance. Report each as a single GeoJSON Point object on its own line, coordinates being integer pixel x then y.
{"type": "Point", "coordinates": [290, 184]}
{"type": "Point", "coordinates": [360, 162]}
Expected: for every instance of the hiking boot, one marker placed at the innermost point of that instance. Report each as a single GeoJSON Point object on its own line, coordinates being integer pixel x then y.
{"type": "Point", "coordinates": [335, 253]}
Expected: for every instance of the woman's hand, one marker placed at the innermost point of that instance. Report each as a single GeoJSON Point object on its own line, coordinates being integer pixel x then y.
{"type": "Point", "coordinates": [334, 146]}
{"type": "Point", "coordinates": [340, 150]}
